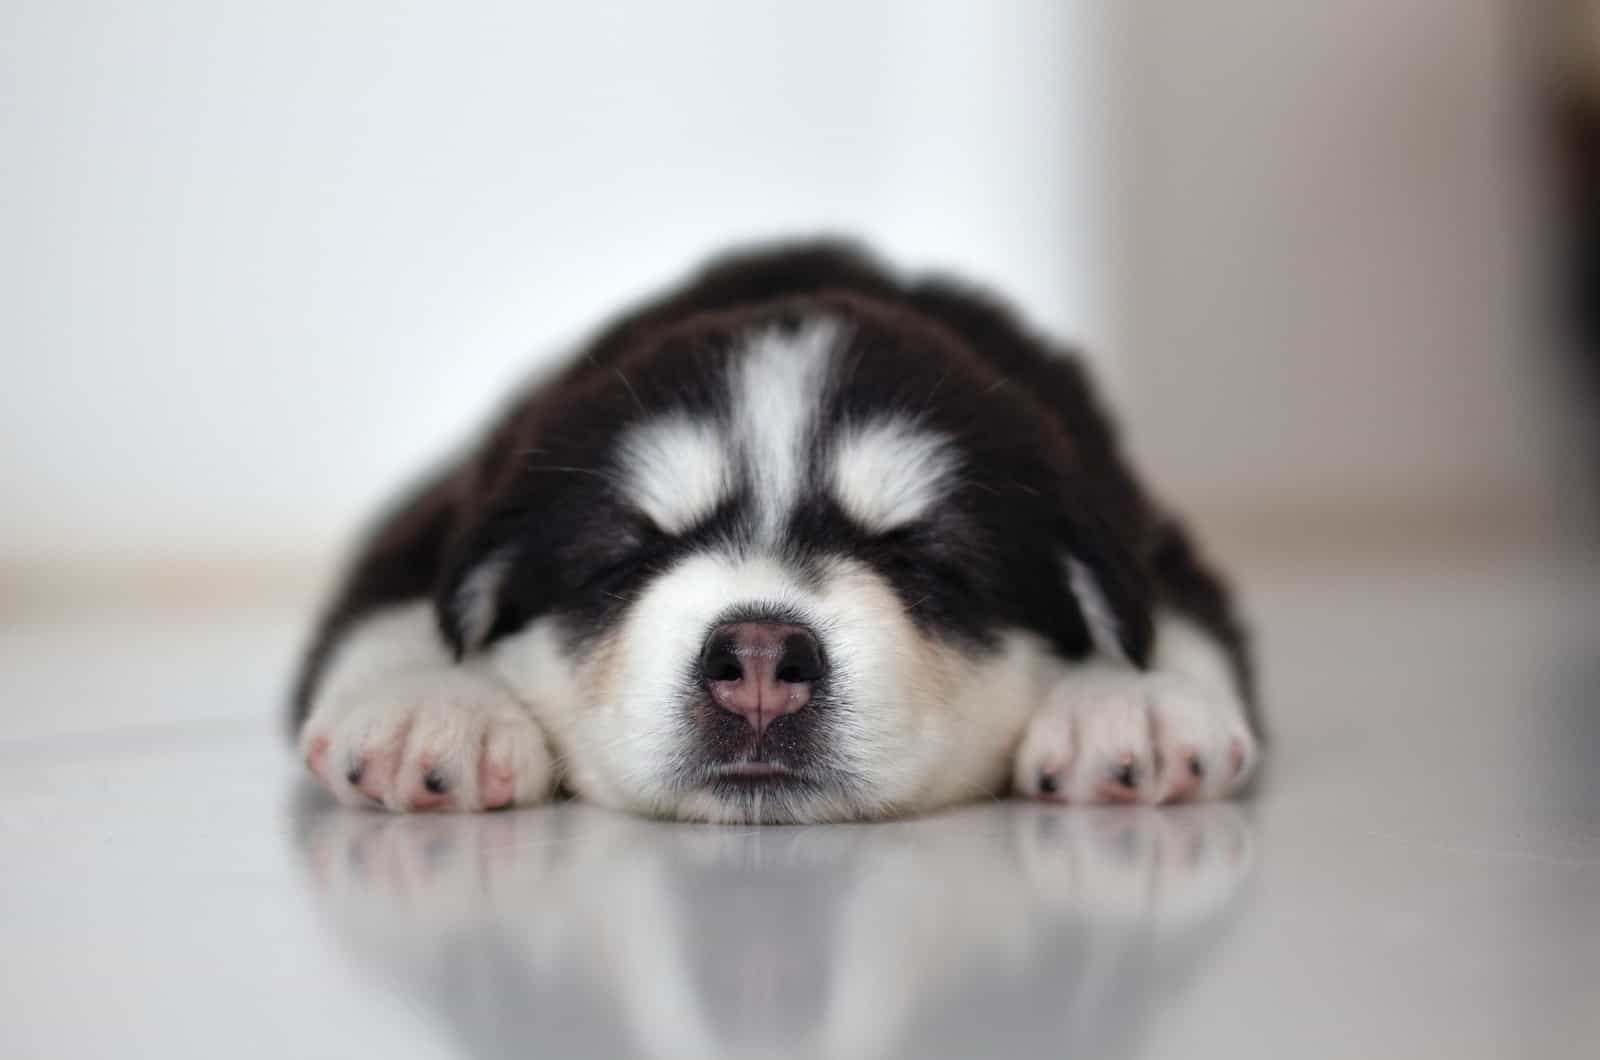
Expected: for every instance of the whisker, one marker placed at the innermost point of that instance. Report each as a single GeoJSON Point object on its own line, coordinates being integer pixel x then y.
{"type": "Point", "coordinates": [631, 392]}
{"type": "Point", "coordinates": [595, 472]}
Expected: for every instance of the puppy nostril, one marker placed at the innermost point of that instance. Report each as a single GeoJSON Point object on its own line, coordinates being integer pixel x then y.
{"type": "Point", "coordinates": [720, 662]}
{"type": "Point", "coordinates": [802, 660]}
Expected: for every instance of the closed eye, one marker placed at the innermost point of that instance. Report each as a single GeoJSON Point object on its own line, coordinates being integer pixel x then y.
{"type": "Point", "coordinates": [923, 562]}
{"type": "Point", "coordinates": [615, 555]}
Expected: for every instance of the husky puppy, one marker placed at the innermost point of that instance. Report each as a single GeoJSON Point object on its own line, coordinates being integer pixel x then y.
{"type": "Point", "coordinates": [798, 541]}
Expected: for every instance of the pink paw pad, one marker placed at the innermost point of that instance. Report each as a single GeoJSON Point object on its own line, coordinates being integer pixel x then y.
{"type": "Point", "coordinates": [317, 758]}
{"type": "Point", "coordinates": [498, 785]}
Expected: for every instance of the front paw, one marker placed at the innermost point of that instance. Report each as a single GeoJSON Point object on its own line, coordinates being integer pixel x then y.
{"type": "Point", "coordinates": [430, 739]}
{"type": "Point", "coordinates": [1118, 735]}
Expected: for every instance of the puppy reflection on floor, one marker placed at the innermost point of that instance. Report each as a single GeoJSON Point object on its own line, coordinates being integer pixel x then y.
{"type": "Point", "coordinates": [574, 931]}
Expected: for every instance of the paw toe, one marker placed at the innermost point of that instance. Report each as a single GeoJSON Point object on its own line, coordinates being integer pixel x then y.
{"type": "Point", "coordinates": [498, 783]}
{"type": "Point", "coordinates": [1043, 761]}
{"type": "Point", "coordinates": [316, 754]}
{"type": "Point", "coordinates": [1183, 772]}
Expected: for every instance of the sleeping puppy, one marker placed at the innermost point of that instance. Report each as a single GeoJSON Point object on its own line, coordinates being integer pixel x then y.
{"type": "Point", "coordinates": [799, 541]}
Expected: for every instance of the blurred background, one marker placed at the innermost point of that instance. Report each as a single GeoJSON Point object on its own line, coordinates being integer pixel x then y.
{"type": "Point", "coordinates": [1337, 265]}
{"type": "Point", "coordinates": [260, 264]}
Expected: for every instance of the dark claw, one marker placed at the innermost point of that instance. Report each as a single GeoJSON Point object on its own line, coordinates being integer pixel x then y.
{"type": "Point", "coordinates": [1047, 783]}
{"type": "Point", "coordinates": [1126, 774]}
{"type": "Point", "coordinates": [435, 783]}
{"type": "Point", "coordinates": [354, 776]}
{"type": "Point", "coordinates": [1197, 768]}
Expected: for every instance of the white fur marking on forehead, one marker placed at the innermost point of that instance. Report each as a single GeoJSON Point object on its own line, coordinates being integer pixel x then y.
{"type": "Point", "coordinates": [776, 386]}
{"type": "Point", "coordinates": [1104, 629]}
{"type": "Point", "coordinates": [892, 472]}
{"type": "Point", "coordinates": [677, 470]}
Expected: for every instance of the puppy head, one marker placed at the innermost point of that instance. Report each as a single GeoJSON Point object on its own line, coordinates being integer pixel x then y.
{"type": "Point", "coordinates": [808, 562]}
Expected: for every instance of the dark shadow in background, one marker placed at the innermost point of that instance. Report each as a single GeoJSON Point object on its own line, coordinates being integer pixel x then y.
{"type": "Point", "coordinates": [1569, 96]}
{"type": "Point", "coordinates": [1577, 179]}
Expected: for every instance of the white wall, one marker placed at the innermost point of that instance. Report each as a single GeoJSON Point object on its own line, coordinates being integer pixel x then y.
{"type": "Point", "coordinates": [260, 261]}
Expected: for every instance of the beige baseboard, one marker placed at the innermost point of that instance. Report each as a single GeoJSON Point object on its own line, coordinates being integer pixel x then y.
{"type": "Point", "coordinates": [1240, 536]}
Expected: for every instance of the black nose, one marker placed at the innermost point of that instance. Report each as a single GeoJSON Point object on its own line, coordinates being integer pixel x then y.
{"type": "Point", "coordinates": [761, 670]}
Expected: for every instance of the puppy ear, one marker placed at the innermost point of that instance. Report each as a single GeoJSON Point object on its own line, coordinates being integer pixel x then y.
{"type": "Point", "coordinates": [470, 608]}
{"type": "Point", "coordinates": [1113, 592]}
{"type": "Point", "coordinates": [472, 595]}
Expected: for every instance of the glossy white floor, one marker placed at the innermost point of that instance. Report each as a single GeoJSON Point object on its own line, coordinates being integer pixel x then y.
{"type": "Point", "coordinates": [1420, 876]}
